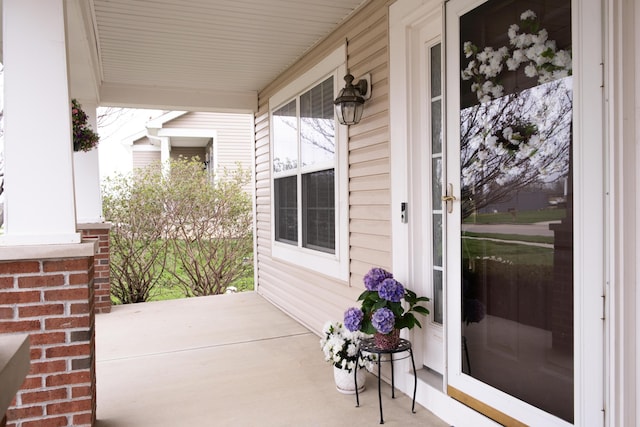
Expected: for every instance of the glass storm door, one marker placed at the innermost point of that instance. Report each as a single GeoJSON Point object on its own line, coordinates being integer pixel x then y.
{"type": "Point", "coordinates": [509, 191]}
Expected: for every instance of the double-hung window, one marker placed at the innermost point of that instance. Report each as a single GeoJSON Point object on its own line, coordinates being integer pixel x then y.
{"type": "Point", "coordinates": [309, 171]}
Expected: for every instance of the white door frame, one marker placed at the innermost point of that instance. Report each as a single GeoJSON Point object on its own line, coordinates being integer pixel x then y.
{"type": "Point", "coordinates": [407, 94]}
{"type": "Point", "coordinates": [589, 196]}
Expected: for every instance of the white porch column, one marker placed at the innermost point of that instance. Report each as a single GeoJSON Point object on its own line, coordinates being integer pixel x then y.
{"type": "Point", "coordinates": [165, 152]}
{"type": "Point", "coordinates": [39, 196]}
{"type": "Point", "coordinates": [87, 176]}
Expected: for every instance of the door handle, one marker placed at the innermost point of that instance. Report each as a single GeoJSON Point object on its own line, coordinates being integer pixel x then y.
{"type": "Point", "coordinates": [449, 198]}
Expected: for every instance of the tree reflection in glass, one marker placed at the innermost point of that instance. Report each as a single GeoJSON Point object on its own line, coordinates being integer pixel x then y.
{"type": "Point", "coordinates": [516, 191]}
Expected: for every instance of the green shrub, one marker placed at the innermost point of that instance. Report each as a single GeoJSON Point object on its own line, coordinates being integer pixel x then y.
{"type": "Point", "coordinates": [134, 205]}
{"type": "Point", "coordinates": [178, 229]}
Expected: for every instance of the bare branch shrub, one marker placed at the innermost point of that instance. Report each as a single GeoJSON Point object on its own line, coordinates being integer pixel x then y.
{"type": "Point", "coordinates": [210, 227]}
{"type": "Point", "coordinates": [178, 222]}
{"type": "Point", "coordinates": [135, 204]}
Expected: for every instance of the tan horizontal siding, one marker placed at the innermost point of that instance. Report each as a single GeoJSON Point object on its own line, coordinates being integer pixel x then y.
{"type": "Point", "coordinates": [373, 152]}
{"type": "Point", "coordinates": [366, 139]}
{"type": "Point", "coordinates": [142, 159]}
{"type": "Point", "coordinates": [310, 297]}
{"type": "Point", "coordinates": [296, 288]}
{"type": "Point", "coordinates": [373, 167]}
{"type": "Point", "coordinates": [374, 257]}
{"type": "Point", "coordinates": [366, 213]}
{"type": "Point", "coordinates": [370, 226]}
{"type": "Point", "coordinates": [234, 137]}
{"type": "Point", "coordinates": [370, 182]}
{"type": "Point", "coordinates": [370, 241]}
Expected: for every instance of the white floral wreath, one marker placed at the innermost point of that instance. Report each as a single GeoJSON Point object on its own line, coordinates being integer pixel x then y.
{"type": "Point", "coordinates": [520, 141]}
{"type": "Point", "coordinates": [533, 48]}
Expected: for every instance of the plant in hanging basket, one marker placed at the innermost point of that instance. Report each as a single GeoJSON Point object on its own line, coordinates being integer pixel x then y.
{"type": "Point", "coordinates": [84, 138]}
{"type": "Point", "coordinates": [382, 312]}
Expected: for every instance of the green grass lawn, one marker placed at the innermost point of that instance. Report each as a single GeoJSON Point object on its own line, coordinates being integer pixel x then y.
{"type": "Point", "coordinates": [169, 290]}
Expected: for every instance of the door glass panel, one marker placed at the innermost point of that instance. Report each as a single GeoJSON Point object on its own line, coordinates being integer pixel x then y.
{"type": "Point", "coordinates": [437, 240]}
{"type": "Point", "coordinates": [438, 314]}
{"type": "Point", "coordinates": [436, 76]}
{"type": "Point", "coordinates": [436, 124]}
{"type": "Point", "coordinates": [516, 198]}
{"type": "Point", "coordinates": [436, 178]}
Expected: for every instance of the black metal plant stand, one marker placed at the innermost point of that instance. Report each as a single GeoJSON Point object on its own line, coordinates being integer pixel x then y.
{"type": "Point", "coordinates": [368, 346]}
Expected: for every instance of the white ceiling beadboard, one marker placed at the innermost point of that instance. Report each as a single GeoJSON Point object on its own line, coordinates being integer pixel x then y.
{"type": "Point", "coordinates": [211, 47]}
{"type": "Point", "coordinates": [191, 54]}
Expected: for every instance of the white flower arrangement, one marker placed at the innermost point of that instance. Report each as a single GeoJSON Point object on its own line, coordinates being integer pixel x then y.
{"type": "Point", "coordinates": [340, 347]}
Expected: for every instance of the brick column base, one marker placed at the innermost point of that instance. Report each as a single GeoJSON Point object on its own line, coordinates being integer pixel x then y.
{"type": "Point", "coordinates": [102, 281]}
{"type": "Point", "coordinates": [52, 300]}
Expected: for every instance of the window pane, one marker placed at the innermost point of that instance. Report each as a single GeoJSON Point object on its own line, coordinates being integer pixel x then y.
{"type": "Point", "coordinates": [317, 124]}
{"type": "Point", "coordinates": [286, 209]}
{"type": "Point", "coordinates": [285, 138]}
{"type": "Point", "coordinates": [437, 177]}
{"type": "Point", "coordinates": [516, 196]}
{"type": "Point", "coordinates": [438, 313]}
{"type": "Point", "coordinates": [436, 126]}
{"type": "Point", "coordinates": [436, 79]}
{"type": "Point", "coordinates": [437, 240]}
{"type": "Point", "coordinates": [318, 210]}
{"type": "Point", "coordinates": [436, 183]}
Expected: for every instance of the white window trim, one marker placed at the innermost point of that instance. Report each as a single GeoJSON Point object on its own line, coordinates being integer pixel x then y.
{"type": "Point", "coordinates": [335, 265]}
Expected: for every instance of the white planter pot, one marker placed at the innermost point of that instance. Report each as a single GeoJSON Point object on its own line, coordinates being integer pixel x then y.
{"type": "Point", "coordinates": [345, 382]}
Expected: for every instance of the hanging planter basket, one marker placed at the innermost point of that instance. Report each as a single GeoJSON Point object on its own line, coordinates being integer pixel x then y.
{"type": "Point", "coordinates": [84, 138]}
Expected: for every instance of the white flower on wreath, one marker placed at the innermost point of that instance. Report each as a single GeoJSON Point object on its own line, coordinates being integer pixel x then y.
{"type": "Point", "coordinates": [539, 55]}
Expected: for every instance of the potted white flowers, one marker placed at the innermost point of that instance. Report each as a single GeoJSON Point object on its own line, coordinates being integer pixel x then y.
{"type": "Point", "coordinates": [340, 348]}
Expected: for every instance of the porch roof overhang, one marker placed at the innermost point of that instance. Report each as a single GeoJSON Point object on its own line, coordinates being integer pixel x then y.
{"type": "Point", "coordinates": [207, 55]}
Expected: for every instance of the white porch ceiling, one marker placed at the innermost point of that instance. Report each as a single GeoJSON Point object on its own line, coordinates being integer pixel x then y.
{"type": "Point", "coordinates": [196, 54]}
{"type": "Point", "coordinates": [208, 55]}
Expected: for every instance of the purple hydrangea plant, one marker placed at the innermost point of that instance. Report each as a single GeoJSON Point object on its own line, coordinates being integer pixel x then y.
{"type": "Point", "coordinates": [385, 305]}
{"type": "Point", "coordinates": [353, 319]}
{"type": "Point", "coordinates": [391, 290]}
{"type": "Point", "coordinates": [375, 277]}
{"type": "Point", "coordinates": [383, 320]}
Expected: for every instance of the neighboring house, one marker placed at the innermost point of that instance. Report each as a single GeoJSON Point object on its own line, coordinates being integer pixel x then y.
{"type": "Point", "coordinates": [465, 106]}
{"type": "Point", "coordinates": [222, 141]}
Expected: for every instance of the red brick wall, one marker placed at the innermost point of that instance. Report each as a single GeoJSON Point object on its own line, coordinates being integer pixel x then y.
{"type": "Point", "coordinates": [53, 301]}
{"type": "Point", "coordinates": [102, 271]}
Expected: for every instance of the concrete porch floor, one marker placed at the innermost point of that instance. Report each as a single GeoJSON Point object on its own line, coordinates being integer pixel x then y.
{"type": "Point", "coordinates": [227, 360]}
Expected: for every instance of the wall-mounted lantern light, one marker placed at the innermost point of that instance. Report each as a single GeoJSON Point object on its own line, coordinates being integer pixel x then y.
{"type": "Point", "coordinates": [350, 101]}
